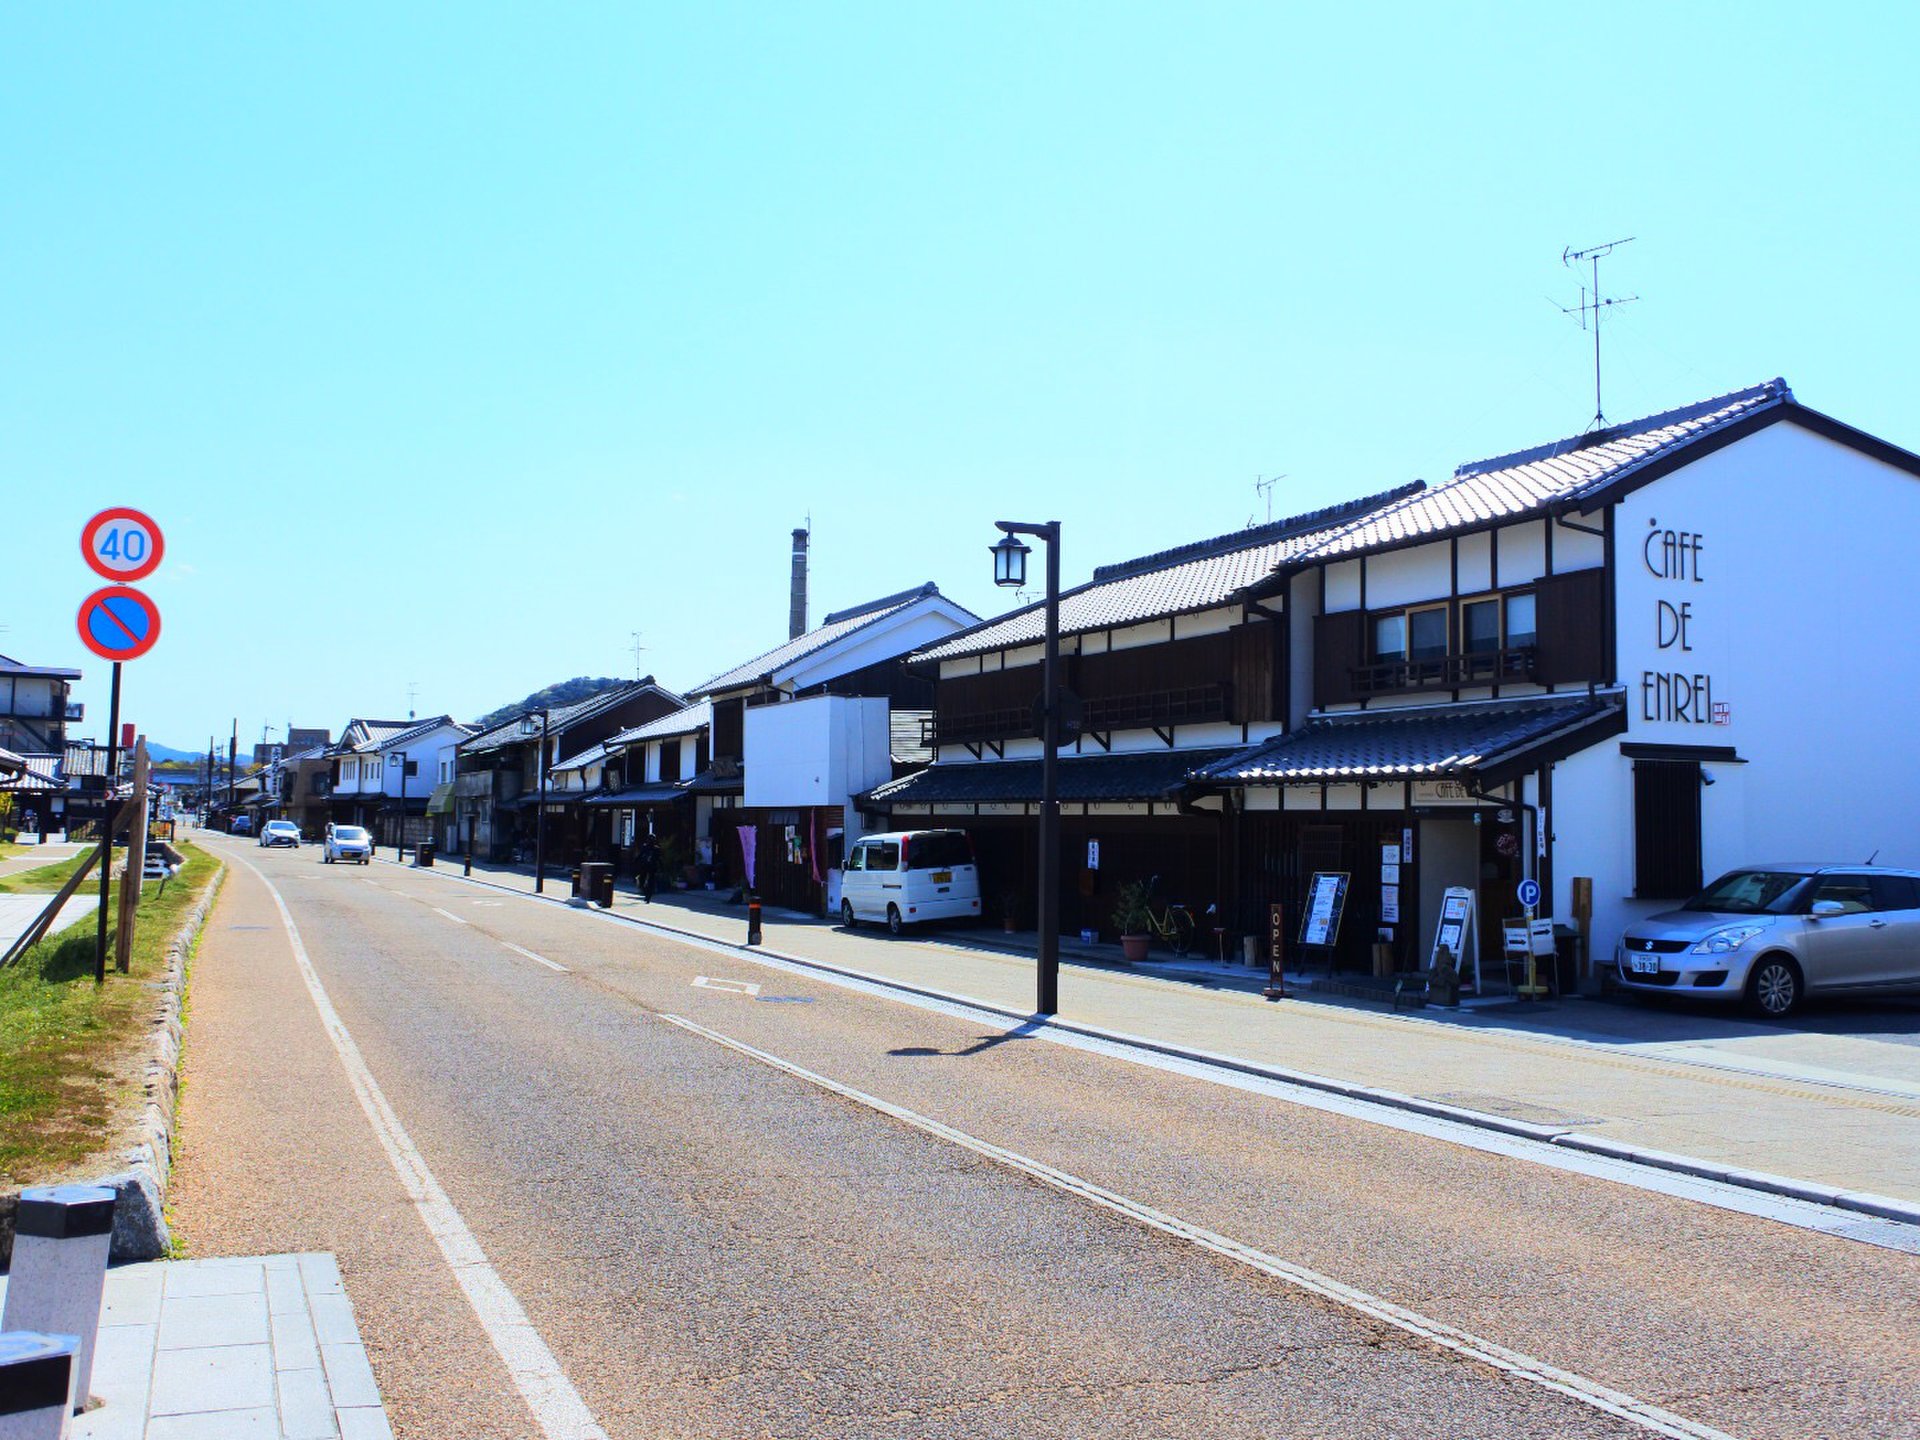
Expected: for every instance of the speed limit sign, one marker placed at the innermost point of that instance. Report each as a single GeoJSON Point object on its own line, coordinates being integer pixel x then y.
{"type": "Point", "coordinates": [122, 544]}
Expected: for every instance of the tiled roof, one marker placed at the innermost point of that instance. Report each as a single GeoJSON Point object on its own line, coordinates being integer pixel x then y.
{"type": "Point", "coordinates": [10, 763]}
{"type": "Point", "coordinates": [40, 772]}
{"type": "Point", "coordinates": [592, 755]}
{"type": "Point", "coordinates": [414, 731]}
{"type": "Point", "coordinates": [507, 732]}
{"type": "Point", "coordinates": [1145, 775]}
{"type": "Point", "coordinates": [1527, 482]}
{"type": "Point", "coordinates": [652, 794]}
{"type": "Point", "coordinates": [1424, 742]}
{"type": "Point", "coordinates": [906, 737]}
{"type": "Point", "coordinates": [836, 626]}
{"type": "Point", "coordinates": [1170, 582]}
{"type": "Point", "coordinates": [693, 719]}
{"type": "Point", "coordinates": [362, 736]}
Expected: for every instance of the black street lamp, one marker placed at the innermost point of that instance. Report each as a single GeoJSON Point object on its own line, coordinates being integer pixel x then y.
{"type": "Point", "coordinates": [400, 831]}
{"type": "Point", "coordinates": [1010, 572]}
{"type": "Point", "coordinates": [540, 810]}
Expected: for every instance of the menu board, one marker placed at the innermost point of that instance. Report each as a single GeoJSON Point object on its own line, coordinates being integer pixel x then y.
{"type": "Point", "coordinates": [1455, 932]}
{"type": "Point", "coordinates": [1326, 902]}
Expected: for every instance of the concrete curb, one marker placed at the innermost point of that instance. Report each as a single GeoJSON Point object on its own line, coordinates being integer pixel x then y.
{"type": "Point", "coordinates": [1881, 1207]}
{"type": "Point", "coordinates": [139, 1223]}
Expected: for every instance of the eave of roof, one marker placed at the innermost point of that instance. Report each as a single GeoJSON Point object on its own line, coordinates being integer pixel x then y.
{"type": "Point", "coordinates": [1134, 776]}
{"type": "Point", "coordinates": [836, 627]}
{"type": "Point", "coordinates": [1488, 741]}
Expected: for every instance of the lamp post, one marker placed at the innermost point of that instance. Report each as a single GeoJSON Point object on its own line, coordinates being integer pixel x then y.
{"type": "Point", "coordinates": [1010, 572]}
{"type": "Point", "coordinates": [400, 832]}
{"type": "Point", "coordinates": [540, 810]}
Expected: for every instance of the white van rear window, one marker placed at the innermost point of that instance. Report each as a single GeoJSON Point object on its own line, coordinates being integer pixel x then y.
{"type": "Point", "coordinates": [939, 850]}
{"type": "Point", "coordinates": [883, 855]}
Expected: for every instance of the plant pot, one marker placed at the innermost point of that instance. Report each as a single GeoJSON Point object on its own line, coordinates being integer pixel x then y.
{"type": "Point", "coordinates": [1009, 926]}
{"type": "Point", "coordinates": [1133, 948]}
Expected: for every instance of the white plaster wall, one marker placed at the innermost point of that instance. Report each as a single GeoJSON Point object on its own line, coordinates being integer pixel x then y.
{"type": "Point", "coordinates": [1303, 608]}
{"type": "Point", "coordinates": [1343, 586]}
{"type": "Point", "coordinates": [427, 751]}
{"type": "Point", "coordinates": [1405, 577]}
{"type": "Point", "coordinates": [1476, 563]}
{"type": "Point", "coordinates": [1575, 549]}
{"type": "Point", "coordinates": [1206, 622]}
{"type": "Point", "coordinates": [1801, 619]}
{"type": "Point", "coordinates": [918, 627]}
{"type": "Point", "coordinates": [1522, 553]}
{"type": "Point", "coordinates": [1154, 632]}
{"type": "Point", "coordinates": [817, 751]}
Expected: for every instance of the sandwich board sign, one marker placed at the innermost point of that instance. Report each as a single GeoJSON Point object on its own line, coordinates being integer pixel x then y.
{"type": "Point", "coordinates": [1455, 931]}
{"type": "Point", "coordinates": [1326, 902]}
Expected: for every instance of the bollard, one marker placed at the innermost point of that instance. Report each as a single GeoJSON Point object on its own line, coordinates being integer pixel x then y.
{"type": "Point", "coordinates": [753, 922]}
{"type": "Point", "coordinates": [36, 1385]}
{"type": "Point", "coordinates": [61, 1237]}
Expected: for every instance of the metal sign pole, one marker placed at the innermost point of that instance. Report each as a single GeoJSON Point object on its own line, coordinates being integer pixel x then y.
{"type": "Point", "coordinates": [106, 830]}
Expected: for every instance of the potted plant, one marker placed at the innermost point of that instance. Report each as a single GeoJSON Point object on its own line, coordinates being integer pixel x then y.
{"type": "Point", "coordinates": [1010, 911]}
{"type": "Point", "coordinates": [1130, 918]}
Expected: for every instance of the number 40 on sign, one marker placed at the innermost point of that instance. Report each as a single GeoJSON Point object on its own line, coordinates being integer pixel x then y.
{"type": "Point", "coordinates": [123, 545]}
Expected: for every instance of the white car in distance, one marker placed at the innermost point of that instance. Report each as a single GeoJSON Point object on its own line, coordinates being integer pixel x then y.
{"type": "Point", "coordinates": [348, 842]}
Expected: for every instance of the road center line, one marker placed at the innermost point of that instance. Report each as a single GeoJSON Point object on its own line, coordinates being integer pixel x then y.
{"type": "Point", "coordinates": [537, 959]}
{"type": "Point", "coordinates": [449, 914]}
{"type": "Point", "coordinates": [1648, 1417]}
{"type": "Point", "coordinates": [557, 1407]}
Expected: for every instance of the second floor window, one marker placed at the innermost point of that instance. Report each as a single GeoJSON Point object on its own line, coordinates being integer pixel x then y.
{"type": "Point", "coordinates": [1411, 635]}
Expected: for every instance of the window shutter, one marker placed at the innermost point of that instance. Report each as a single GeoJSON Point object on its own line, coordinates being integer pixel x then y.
{"type": "Point", "coordinates": [1339, 642]}
{"type": "Point", "coordinates": [1666, 829]}
{"type": "Point", "coordinates": [1255, 660]}
{"type": "Point", "coordinates": [1570, 617]}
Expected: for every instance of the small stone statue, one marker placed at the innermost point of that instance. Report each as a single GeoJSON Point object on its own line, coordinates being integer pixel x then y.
{"type": "Point", "coordinates": [1443, 981]}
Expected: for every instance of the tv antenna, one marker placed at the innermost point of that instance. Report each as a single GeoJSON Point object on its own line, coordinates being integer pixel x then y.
{"type": "Point", "coordinates": [638, 650]}
{"type": "Point", "coordinates": [413, 692]}
{"type": "Point", "coordinates": [1593, 303]}
{"type": "Point", "coordinates": [1264, 485]}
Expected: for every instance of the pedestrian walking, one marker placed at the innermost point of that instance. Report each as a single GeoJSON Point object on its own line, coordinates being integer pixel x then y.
{"type": "Point", "coordinates": [646, 865]}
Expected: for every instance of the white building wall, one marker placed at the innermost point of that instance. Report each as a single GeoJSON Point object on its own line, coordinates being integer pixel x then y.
{"type": "Point", "coordinates": [819, 751]}
{"type": "Point", "coordinates": [1406, 577]}
{"type": "Point", "coordinates": [1797, 621]}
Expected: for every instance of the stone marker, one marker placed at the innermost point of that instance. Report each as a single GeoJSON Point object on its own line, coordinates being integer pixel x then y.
{"type": "Point", "coordinates": [60, 1242]}
{"type": "Point", "coordinates": [36, 1385]}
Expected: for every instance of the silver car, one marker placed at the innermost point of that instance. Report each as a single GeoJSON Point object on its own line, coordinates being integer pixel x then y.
{"type": "Point", "coordinates": [1773, 934]}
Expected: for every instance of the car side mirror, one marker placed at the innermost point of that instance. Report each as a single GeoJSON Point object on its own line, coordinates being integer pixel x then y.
{"type": "Point", "coordinates": [1825, 909]}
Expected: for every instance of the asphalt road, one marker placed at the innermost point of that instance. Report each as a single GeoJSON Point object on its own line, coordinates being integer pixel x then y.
{"type": "Point", "coordinates": [713, 1245]}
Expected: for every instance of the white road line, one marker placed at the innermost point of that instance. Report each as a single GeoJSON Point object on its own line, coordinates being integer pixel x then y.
{"type": "Point", "coordinates": [449, 914]}
{"type": "Point", "coordinates": [537, 959]}
{"type": "Point", "coordinates": [736, 987]}
{"type": "Point", "coordinates": [1648, 1417]}
{"type": "Point", "coordinates": [557, 1407]}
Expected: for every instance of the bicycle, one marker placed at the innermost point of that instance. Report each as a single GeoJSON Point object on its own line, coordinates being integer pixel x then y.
{"type": "Point", "coordinates": [1174, 924]}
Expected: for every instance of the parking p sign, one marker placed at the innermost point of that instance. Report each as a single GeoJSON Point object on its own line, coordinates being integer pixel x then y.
{"type": "Point", "coordinates": [122, 545]}
{"type": "Point", "coordinates": [1529, 893]}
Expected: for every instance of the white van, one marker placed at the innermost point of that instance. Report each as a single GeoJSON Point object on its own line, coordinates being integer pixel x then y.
{"type": "Point", "coordinates": [909, 876]}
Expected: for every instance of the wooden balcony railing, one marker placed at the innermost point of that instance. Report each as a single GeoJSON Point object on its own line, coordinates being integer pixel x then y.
{"type": "Point", "coordinates": [1445, 672]}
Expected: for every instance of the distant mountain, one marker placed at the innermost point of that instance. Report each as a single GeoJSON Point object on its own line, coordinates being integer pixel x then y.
{"type": "Point", "coordinates": [564, 692]}
{"type": "Point", "coordinates": [167, 752]}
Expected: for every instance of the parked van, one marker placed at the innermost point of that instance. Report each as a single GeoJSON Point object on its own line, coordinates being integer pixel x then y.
{"type": "Point", "coordinates": [910, 876]}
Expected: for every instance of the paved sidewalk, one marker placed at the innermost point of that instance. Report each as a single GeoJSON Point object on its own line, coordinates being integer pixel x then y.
{"type": "Point", "coordinates": [37, 857]}
{"type": "Point", "coordinates": [259, 1347]}
{"type": "Point", "coordinates": [17, 912]}
{"type": "Point", "coordinates": [1824, 1127]}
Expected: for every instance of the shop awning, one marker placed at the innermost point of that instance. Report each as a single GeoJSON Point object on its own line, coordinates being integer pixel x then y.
{"type": "Point", "coordinates": [441, 801]}
{"type": "Point", "coordinates": [1148, 775]}
{"type": "Point", "coordinates": [1489, 742]}
{"type": "Point", "coordinates": [658, 794]}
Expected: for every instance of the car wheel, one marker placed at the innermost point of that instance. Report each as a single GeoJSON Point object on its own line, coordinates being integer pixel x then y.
{"type": "Point", "coordinates": [895, 925]}
{"type": "Point", "coordinates": [1775, 987]}
{"type": "Point", "coordinates": [846, 915]}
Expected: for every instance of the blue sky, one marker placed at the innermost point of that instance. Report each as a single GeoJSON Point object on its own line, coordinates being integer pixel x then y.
{"type": "Point", "coordinates": [453, 345]}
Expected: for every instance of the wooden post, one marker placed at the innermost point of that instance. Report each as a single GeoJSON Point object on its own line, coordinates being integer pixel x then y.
{"type": "Point", "coordinates": [1583, 920]}
{"type": "Point", "coordinates": [136, 861]}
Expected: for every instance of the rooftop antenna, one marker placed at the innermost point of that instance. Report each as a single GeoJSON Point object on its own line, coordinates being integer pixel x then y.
{"type": "Point", "coordinates": [1594, 303]}
{"type": "Point", "coordinates": [638, 650]}
{"type": "Point", "coordinates": [413, 692]}
{"type": "Point", "coordinates": [1265, 484]}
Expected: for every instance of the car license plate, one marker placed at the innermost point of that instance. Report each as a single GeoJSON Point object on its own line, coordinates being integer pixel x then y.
{"type": "Point", "coordinates": [1644, 964]}
{"type": "Point", "coordinates": [943, 877]}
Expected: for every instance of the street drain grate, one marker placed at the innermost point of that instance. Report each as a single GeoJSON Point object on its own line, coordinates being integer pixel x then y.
{"type": "Point", "coordinates": [1520, 1110]}
{"type": "Point", "coordinates": [785, 999]}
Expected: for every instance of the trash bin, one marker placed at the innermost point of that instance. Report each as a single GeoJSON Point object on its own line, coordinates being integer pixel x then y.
{"type": "Point", "coordinates": [423, 854]}
{"type": "Point", "coordinates": [596, 883]}
{"type": "Point", "coordinates": [575, 876]}
{"type": "Point", "coordinates": [1566, 960]}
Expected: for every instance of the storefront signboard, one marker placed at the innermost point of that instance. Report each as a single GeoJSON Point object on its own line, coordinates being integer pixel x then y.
{"type": "Point", "coordinates": [1326, 902]}
{"type": "Point", "coordinates": [1455, 933]}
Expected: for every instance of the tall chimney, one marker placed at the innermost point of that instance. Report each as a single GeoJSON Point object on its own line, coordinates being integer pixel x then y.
{"type": "Point", "coordinates": [797, 604]}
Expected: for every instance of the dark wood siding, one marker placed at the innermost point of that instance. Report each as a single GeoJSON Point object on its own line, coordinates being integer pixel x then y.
{"type": "Point", "coordinates": [1666, 829]}
{"type": "Point", "coordinates": [670, 759]}
{"type": "Point", "coordinates": [729, 726]}
{"type": "Point", "coordinates": [1570, 618]}
{"type": "Point", "coordinates": [1339, 645]}
{"type": "Point", "coordinates": [1256, 663]}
